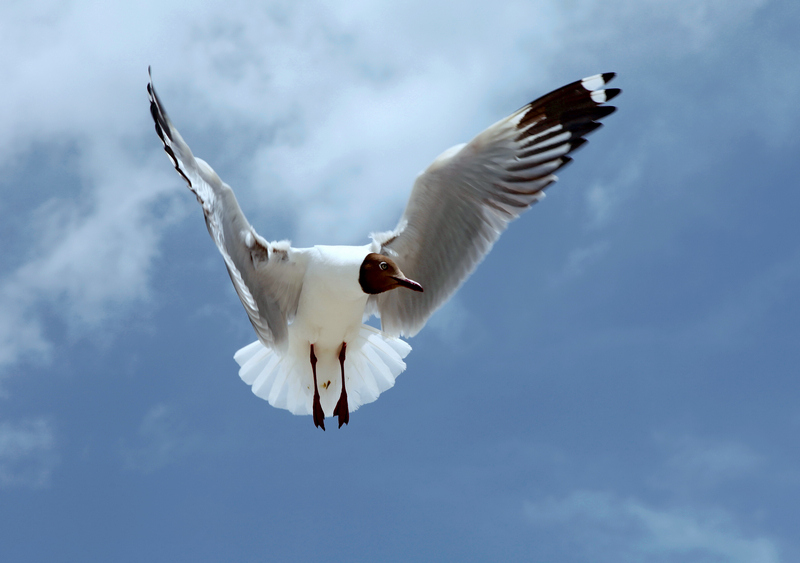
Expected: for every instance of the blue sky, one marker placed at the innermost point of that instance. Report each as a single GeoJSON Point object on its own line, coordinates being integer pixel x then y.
{"type": "Point", "coordinates": [616, 383]}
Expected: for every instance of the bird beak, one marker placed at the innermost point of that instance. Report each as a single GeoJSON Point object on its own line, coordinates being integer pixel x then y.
{"type": "Point", "coordinates": [410, 284]}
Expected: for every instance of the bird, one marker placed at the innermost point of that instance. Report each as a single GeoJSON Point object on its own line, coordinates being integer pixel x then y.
{"type": "Point", "coordinates": [314, 353]}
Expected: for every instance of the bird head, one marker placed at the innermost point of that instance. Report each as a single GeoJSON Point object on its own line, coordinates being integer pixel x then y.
{"type": "Point", "coordinates": [379, 273]}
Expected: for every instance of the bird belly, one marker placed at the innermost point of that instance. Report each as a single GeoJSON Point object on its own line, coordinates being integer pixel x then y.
{"type": "Point", "coordinates": [327, 320]}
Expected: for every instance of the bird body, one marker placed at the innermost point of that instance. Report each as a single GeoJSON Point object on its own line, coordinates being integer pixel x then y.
{"type": "Point", "coordinates": [314, 355]}
{"type": "Point", "coordinates": [332, 303]}
{"type": "Point", "coordinates": [330, 312]}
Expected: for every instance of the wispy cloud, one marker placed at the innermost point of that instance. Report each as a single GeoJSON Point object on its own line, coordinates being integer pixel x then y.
{"type": "Point", "coordinates": [604, 200]}
{"type": "Point", "coordinates": [86, 265]}
{"type": "Point", "coordinates": [308, 109]}
{"type": "Point", "coordinates": [287, 84]}
{"type": "Point", "coordinates": [612, 526]}
{"type": "Point", "coordinates": [606, 527]}
{"type": "Point", "coordinates": [578, 260]}
{"type": "Point", "coordinates": [27, 453]}
{"type": "Point", "coordinates": [694, 463]}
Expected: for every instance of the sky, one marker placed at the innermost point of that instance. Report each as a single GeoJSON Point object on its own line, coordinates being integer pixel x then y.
{"type": "Point", "coordinates": [617, 382]}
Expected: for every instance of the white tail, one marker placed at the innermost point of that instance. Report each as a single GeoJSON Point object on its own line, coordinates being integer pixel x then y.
{"type": "Point", "coordinates": [373, 362]}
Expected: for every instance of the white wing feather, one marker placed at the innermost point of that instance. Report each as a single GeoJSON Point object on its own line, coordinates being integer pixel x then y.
{"type": "Point", "coordinates": [267, 276]}
{"type": "Point", "coordinates": [461, 204]}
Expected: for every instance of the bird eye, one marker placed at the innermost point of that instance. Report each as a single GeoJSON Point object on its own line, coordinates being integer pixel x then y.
{"type": "Point", "coordinates": [383, 265]}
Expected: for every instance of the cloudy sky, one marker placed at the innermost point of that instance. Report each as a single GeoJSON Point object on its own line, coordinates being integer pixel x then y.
{"type": "Point", "coordinates": [616, 383]}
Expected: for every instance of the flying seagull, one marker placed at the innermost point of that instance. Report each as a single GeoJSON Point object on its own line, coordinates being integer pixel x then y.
{"type": "Point", "coordinates": [314, 355]}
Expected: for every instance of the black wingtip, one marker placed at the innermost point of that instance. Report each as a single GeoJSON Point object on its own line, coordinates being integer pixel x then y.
{"type": "Point", "coordinates": [582, 128]}
{"type": "Point", "coordinates": [612, 93]}
{"type": "Point", "coordinates": [608, 76]}
{"type": "Point", "coordinates": [163, 127]}
{"type": "Point", "coordinates": [158, 112]}
{"type": "Point", "coordinates": [150, 88]}
{"type": "Point", "coordinates": [577, 143]}
{"type": "Point", "coordinates": [602, 111]}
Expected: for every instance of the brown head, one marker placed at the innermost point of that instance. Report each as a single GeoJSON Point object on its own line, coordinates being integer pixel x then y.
{"type": "Point", "coordinates": [379, 273]}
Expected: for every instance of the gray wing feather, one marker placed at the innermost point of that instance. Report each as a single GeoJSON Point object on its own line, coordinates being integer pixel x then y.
{"type": "Point", "coordinates": [461, 204]}
{"type": "Point", "coordinates": [268, 277]}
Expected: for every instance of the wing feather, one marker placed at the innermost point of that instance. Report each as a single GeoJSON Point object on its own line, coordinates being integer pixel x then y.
{"type": "Point", "coordinates": [461, 204]}
{"type": "Point", "coordinates": [268, 277]}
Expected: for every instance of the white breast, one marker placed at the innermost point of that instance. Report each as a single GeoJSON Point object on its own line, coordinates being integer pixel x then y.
{"type": "Point", "coordinates": [332, 302]}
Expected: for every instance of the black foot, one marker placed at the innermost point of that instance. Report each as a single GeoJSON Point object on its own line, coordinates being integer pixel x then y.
{"type": "Point", "coordinates": [342, 410]}
{"type": "Point", "coordinates": [319, 415]}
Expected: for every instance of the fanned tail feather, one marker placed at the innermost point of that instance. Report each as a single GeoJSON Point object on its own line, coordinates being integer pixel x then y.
{"type": "Point", "coordinates": [373, 362]}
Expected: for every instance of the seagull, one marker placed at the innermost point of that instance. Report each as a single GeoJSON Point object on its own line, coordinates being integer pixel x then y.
{"type": "Point", "coordinates": [314, 354]}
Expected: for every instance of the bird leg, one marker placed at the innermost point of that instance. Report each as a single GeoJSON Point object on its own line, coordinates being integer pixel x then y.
{"type": "Point", "coordinates": [342, 410]}
{"type": "Point", "coordinates": [319, 415]}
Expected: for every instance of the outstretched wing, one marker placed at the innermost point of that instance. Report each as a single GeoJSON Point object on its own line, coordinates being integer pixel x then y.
{"type": "Point", "coordinates": [461, 204]}
{"type": "Point", "coordinates": [267, 276]}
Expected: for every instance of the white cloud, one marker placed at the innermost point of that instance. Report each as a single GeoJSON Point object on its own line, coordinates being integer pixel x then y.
{"type": "Point", "coordinates": [606, 527]}
{"type": "Point", "coordinates": [84, 264]}
{"type": "Point", "coordinates": [320, 114]}
{"type": "Point", "coordinates": [312, 100]}
{"type": "Point", "coordinates": [27, 456]}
